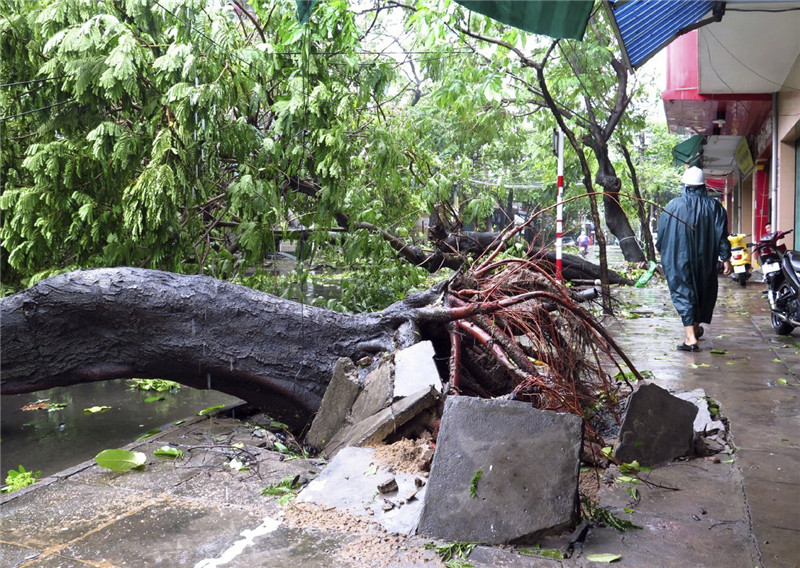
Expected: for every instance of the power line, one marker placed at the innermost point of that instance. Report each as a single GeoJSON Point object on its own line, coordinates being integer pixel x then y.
{"type": "Point", "coordinates": [765, 10]}
{"type": "Point", "coordinates": [35, 110]}
{"type": "Point", "coordinates": [742, 63]}
{"type": "Point", "coordinates": [28, 82]}
{"type": "Point", "coordinates": [194, 28]}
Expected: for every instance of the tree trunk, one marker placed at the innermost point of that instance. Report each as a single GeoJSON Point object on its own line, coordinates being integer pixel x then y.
{"type": "Point", "coordinates": [640, 210]}
{"type": "Point", "coordinates": [616, 219]}
{"type": "Point", "coordinates": [205, 333]}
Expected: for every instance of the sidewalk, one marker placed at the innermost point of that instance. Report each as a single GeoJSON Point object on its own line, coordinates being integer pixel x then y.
{"type": "Point", "coordinates": [199, 512]}
{"type": "Point", "coordinates": [756, 383]}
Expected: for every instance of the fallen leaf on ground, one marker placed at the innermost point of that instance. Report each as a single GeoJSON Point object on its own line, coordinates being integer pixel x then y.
{"type": "Point", "coordinates": [603, 557]}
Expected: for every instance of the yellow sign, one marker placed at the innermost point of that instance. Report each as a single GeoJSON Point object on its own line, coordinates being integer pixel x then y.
{"type": "Point", "coordinates": [743, 156]}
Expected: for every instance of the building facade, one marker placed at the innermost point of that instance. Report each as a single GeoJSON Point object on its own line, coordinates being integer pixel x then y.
{"type": "Point", "coordinates": [735, 86]}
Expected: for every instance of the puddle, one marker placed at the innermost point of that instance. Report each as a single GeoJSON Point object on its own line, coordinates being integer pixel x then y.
{"type": "Point", "coordinates": [53, 441]}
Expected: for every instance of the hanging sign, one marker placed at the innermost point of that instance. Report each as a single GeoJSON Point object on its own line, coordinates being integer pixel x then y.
{"type": "Point", "coordinates": [743, 156]}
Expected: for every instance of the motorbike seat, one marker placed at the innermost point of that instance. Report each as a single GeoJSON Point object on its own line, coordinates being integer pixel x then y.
{"type": "Point", "coordinates": [794, 258]}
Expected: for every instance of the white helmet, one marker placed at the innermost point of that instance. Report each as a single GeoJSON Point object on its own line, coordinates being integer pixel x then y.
{"type": "Point", "coordinates": [693, 176]}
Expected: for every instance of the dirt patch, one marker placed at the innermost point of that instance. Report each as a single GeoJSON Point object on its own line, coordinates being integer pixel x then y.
{"type": "Point", "coordinates": [406, 455]}
{"type": "Point", "coordinates": [371, 545]}
{"type": "Point", "coordinates": [589, 484]}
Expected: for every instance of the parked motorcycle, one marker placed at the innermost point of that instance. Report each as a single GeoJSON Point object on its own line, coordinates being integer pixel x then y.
{"type": "Point", "coordinates": [740, 258]}
{"type": "Point", "coordinates": [781, 270]}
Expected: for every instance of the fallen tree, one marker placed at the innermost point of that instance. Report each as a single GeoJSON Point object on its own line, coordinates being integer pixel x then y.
{"type": "Point", "coordinates": [504, 327]}
{"type": "Point", "coordinates": [205, 333]}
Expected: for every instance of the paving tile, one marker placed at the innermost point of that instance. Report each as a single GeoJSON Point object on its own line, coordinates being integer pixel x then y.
{"type": "Point", "coordinates": [63, 511]}
{"type": "Point", "coordinates": [167, 532]}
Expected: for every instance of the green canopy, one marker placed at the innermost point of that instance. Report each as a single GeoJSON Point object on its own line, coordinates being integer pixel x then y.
{"type": "Point", "coordinates": [564, 19]}
{"type": "Point", "coordinates": [689, 151]}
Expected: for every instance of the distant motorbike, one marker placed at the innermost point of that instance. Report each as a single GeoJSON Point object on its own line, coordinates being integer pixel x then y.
{"type": "Point", "coordinates": [781, 270]}
{"type": "Point", "coordinates": [583, 245]}
{"type": "Point", "coordinates": [740, 258]}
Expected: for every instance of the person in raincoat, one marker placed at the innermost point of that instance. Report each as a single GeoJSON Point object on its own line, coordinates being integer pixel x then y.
{"type": "Point", "coordinates": [692, 235]}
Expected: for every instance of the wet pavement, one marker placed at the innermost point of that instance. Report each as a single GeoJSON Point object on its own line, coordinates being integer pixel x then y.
{"type": "Point", "coordinates": [732, 510]}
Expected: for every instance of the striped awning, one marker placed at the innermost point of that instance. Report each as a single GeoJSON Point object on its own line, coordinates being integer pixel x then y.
{"type": "Point", "coordinates": [644, 27]}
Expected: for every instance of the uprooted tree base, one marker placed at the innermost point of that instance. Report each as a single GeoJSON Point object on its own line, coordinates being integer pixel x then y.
{"type": "Point", "coordinates": [502, 328]}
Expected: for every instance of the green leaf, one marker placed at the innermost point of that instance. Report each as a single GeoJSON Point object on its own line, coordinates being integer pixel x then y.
{"type": "Point", "coordinates": [782, 381]}
{"type": "Point", "coordinates": [628, 479]}
{"type": "Point", "coordinates": [152, 432]}
{"type": "Point", "coordinates": [169, 452]}
{"type": "Point", "coordinates": [210, 409]}
{"type": "Point", "coordinates": [473, 486]}
{"type": "Point", "coordinates": [546, 552]}
{"type": "Point", "coordinates": [278, 425]}
{"type": "Point", "coordinates": [96, 409]}
{"type": "Point", "coordinates": [606, 557]}
{"type": "Point", "coordinates": [19, 478]}
{"type": "Point", "coordinates": [719, 352]}
{"type": "Point", "coordinates": [120, 460]}
{"type": "Point", "coordinates": [155, 398]}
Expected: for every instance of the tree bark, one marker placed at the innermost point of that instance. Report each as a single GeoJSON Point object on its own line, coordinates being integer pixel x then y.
{"type": "Point", "coordinates": [115, 323]}
{"type": "Point", "coordinates": [640, 210]}
{"type": "Point", "coordinates": [616, 219]}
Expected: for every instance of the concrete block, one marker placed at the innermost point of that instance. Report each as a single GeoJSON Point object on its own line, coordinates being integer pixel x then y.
{"type": "Point", "coordinates": [415, 369]}
{"type": "Point", "coordinates": [350, 483]}
{"type": "Point", "coordinates": [375, 428]}
{"type": "Point", "coordinates": [336, 403]}
{"type": "Point", "coordinates": [657, 427]}
{"type": "Point", "coordinates": [698, 398]}
{"type": "Point", "coordinates": [528, 461]}
{"type": "Point", "coordinates": [377, 393]}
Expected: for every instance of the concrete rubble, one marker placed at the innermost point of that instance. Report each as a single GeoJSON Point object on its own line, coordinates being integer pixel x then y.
{"type": "Point", "coordinates": [657, 427]}
{"type": "Point", "coordinates": [395, 392]}
{"type": "Point", "coordinates": [503, 472]}
{"type": "Point", "coordinates": [352, 482]}
{"type": "Point", "coordinates": [729, 508]}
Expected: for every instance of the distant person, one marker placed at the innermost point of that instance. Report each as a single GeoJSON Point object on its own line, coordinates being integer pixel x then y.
{"type": "Point", "coordinates": [583, 244]}
{"type": "Point", "coordinates": [692, 235]}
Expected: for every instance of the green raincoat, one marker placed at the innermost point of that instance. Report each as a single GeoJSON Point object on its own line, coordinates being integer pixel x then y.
{"type": "Point", "coordinates": [692, 235]}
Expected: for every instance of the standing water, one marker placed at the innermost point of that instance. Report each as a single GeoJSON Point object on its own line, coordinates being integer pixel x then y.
{"type": "Point", "coordinates": [51, 441]}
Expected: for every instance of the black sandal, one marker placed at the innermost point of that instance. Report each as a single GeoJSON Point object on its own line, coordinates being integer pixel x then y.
{"type": "Point", "coordinates": [684, 347]}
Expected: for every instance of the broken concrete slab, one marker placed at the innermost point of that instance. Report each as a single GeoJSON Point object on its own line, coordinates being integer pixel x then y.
{"type": "Point", "coordinates": [339, 397]}
{"type": "Point", "coordinates": [415, 369]}
{"type": "Point", "coordinates": [350, 483]}
{"type": "Point", "coordinates": [715, 427]}
{"type": "Point", "coordinates": [503, 471]}
{"type": "Point", "coordinates": [699, 399]}
{"type": "Point", "coordinates": [657, 427]}
{"type": "Point", "coordinates": [375, 428]}
{"type": "Point", "coordinates": [376, 394]}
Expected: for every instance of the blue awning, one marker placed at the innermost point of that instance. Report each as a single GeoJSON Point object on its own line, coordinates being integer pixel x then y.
{"type": "Point", "coordinates": [644, 27]}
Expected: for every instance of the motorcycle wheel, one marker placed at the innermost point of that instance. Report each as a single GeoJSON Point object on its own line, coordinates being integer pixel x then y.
{"type": "Point", "coordinates": [783, 293]}
{"type": "Point", "coordinates": [741, 278]}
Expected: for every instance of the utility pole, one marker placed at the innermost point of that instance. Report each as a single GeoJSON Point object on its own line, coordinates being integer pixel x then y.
{"type": "Point", "coordinates": [558, 150]}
